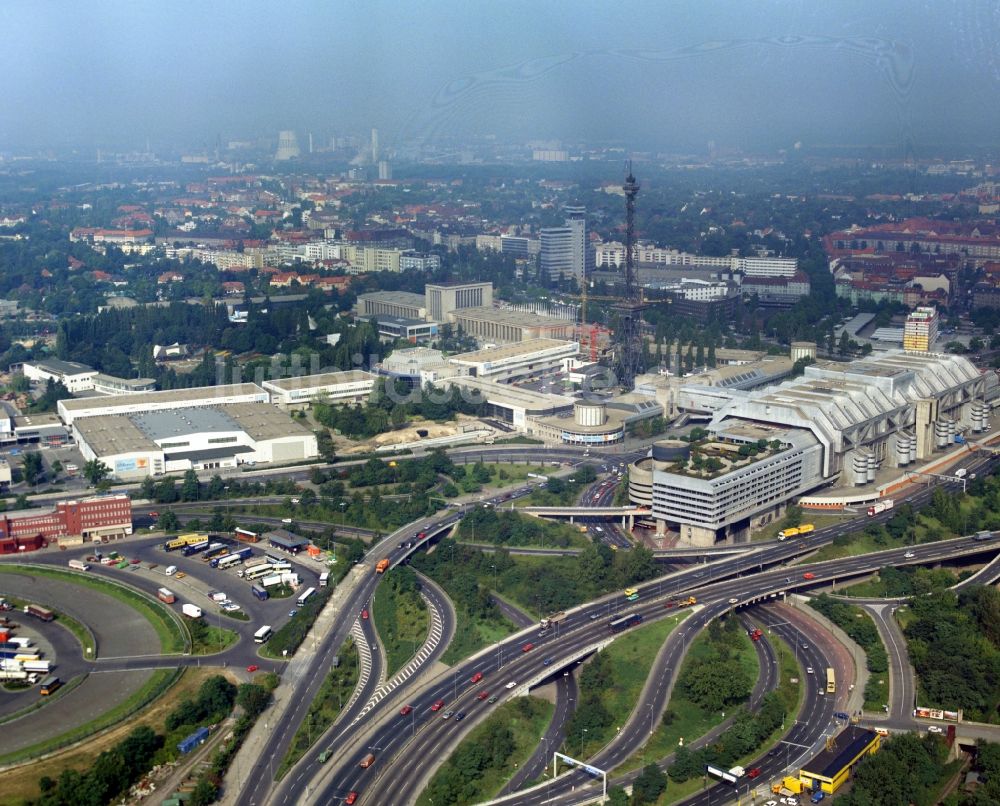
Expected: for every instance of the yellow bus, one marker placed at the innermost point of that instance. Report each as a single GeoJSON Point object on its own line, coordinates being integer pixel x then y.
{"type": "Point", "coordinates": [831, 681]}
{"type": "Point", "coordinates": [181, 541]}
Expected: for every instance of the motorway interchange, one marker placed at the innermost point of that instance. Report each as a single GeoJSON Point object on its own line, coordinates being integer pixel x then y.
{"type": "Point", "coordinates": [404, 743]}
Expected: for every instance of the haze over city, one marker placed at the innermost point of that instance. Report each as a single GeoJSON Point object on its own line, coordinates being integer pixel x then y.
{"type": "Point", "coordinates": [651, 75]}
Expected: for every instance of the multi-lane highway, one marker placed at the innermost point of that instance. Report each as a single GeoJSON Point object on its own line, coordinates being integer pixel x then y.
{"type": "Point", "coordinates": [583, 630]}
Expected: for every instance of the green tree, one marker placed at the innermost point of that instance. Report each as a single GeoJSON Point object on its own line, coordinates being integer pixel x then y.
{"type": "Point", "coordinates": [650, 784]}
{"type": "Point", "coordinates": [95, 471]}
{"type": "Point", "coordinates": [168, 522]}
{"type": "Point", "coordinates": [190, 486]}
{"type": "Point", "coordinates": [31, 467]}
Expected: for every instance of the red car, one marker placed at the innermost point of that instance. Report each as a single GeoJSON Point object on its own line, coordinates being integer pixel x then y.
{"type": "Point", "coordinates": [527, 647]}
{"type": "Point", "coordinates": [135, 561]}
{"type": "Point", "coordinates": [476, 677]}
{"type": "Point", "coordinates": [253, 667]}
{"type": "Point", "coordinates": [809, 575]}
{"type": "Point", "coordinates": [364, 614]}
{"type": "Point", "coordinates": [406, 709]}
{"type": "Point", "coordinates": [482, 695]}
{"type": "Point", "coordinates": [154, 515]}
{"type": "Point", "coordinates": [753, 772]}
{"type": "Point", "coordinates": [421, 535]}
{"type": "Point", "coordinates": [438, 705]}
{"type": "Point", "coordinates": [352, 797]}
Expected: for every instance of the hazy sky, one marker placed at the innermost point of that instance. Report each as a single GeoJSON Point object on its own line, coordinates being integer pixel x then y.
{"type": "Point", "coordinates": [661, 74]}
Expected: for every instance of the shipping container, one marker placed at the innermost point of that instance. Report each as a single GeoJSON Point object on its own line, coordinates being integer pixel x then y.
{"type": "Point", "coordinates": [191, 742]}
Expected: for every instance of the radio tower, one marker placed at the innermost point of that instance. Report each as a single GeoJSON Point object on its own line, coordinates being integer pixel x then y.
{"type": "Point", "coordinates": [629, 352]}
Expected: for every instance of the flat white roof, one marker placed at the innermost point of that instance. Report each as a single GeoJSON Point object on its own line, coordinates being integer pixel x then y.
{"type": "Point", "coordinates": [299, 382]}
{"type": "Point", "coordinates": [523, 348]}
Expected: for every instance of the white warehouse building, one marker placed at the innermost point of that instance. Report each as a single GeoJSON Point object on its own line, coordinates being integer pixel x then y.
{"type": "Point", "coordinates": [135, 445]}
{"type": "Point", "coordinates": [515, 360]}
{"type": "Point", "coordinates": [71, 410]}
{"type": "Point", "coordinates": [351, 386]}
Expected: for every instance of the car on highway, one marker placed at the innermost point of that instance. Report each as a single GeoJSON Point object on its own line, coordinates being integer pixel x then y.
{"type": "Point", "coordinates": [420, 535]}
{"type": "Point", "coordinates": [809, 670]}
{"type": "Point", "coordinates": [476, 677]}
{"type": "Point", "coordinates": [841, 715]}
{"type": "Point", "coordinates": [734, 600]}
{"type": "Point", "coordinates": [594, 616]}
{"type": "Point", "coordinates": [909, 555]}
{"type": "Point", "coordinates": [364, 614]}
{"type": "Point", "coordinates": [448, 714]}
{"type": "Point", "coordinates": [180, 575]}
{"type": "Point", "coordinates": [292, 613]}
{"type": "Point", "coordinates": [511, 684]}
{"type": "Point", "coordinates": [753, 772]}
{"type": "Point", "coordinates": [809, 575]}
{"type": "Point", "coordinates": [528, 647]}
{"type": "Point", "coordinates": [154, 515]}
{"type": "Point", "coordinates": [482, 695]}
{"type": "Point", "coordinates": [438, 705]}
{"type": "Point", "coordinates": [406, 710]}
{"type": "Point", "coordinates": [492, 699]}
{"type": "Point", "coordinates": [459, 716]}
{"type": "Point", "coordinates": [352, 798]}
{"type": "Point", "coordinates": [253, 667]}
{"type": "Point", "coordinates": [547, 662]}
{"type": "Point", "coordinates": [935, 729]}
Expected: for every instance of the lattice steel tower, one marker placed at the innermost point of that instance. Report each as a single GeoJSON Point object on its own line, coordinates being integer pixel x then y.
{"type": "Point", "coordinates": [628, 338]}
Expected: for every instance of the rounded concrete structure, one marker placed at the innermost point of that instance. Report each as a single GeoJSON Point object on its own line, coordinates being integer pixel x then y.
{"type": "Point", "coordinates": [671, 450]}
{"type": "Point", "coordinates": [590, 414]}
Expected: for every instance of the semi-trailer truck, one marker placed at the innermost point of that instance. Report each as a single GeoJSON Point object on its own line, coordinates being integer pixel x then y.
{"type": "Point", "coordinates": [39, 612]}
{"type": "Point", "coordinates": [548, 621]}
{"type": "Point", "coordinates": [881, 506]}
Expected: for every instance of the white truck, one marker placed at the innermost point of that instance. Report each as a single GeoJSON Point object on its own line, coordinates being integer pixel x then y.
{"type": "Point", "coordinates": [961, 473]}
{"type": "Point", "coordinates": [738, 772]}
{"type": "Point", "coordinates": [880, 506]}
{"type": "Point", "coordinates": [190, 610]}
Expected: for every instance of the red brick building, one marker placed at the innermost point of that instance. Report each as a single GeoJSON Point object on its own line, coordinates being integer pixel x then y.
{"type": "Point", "coordinates": [71, 521]}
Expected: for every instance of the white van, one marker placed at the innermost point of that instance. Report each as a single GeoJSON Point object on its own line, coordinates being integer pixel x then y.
{"type": "Point", "coordinates": [171, 570]}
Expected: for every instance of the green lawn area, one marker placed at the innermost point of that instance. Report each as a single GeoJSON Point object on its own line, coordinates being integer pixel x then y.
{"type": "Point", "coordinates": [683, 718]}
{"type": "Point", "coordinates": [401, 617]}
{"type": "Point", "coordinates": [518, 725]}
{"type": "Point", "coordinates": [791, 694]}
{"type": "Point", "coordinates": [335, 691]}
{"type": "Point", "coordinates": [631, 656]}
{"type": "Point", "coordinates": [211, 640]}
{"type": "Point", "coordinates": [157, 684]}
{"type": "Point", "coordinates": [472, 634]}
{"type": "Point", "coordinates": [172, 639]}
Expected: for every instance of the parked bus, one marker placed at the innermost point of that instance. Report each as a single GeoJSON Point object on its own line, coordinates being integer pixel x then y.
{"type": "Point", "coordinates": [181, 541]}
{"type": "Point", "coordinates": [624, 622]}
{"type": "Point", "coordinates": [262, 635]}
{"type": "Point", "coordinates": [258, 571]}
{"type": "Point", "coordinates": [631, 594]}
{"type": "Point", "coordinates": [305, 596]}
{"type": "Point", "coordinates": [324, 579]}
{"type": "Point", "coordinates": [228, 561]}
{"type": "Point", "coordinates": [831, 681]}
{"type": "Point", "coordinates": [50, 684]}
